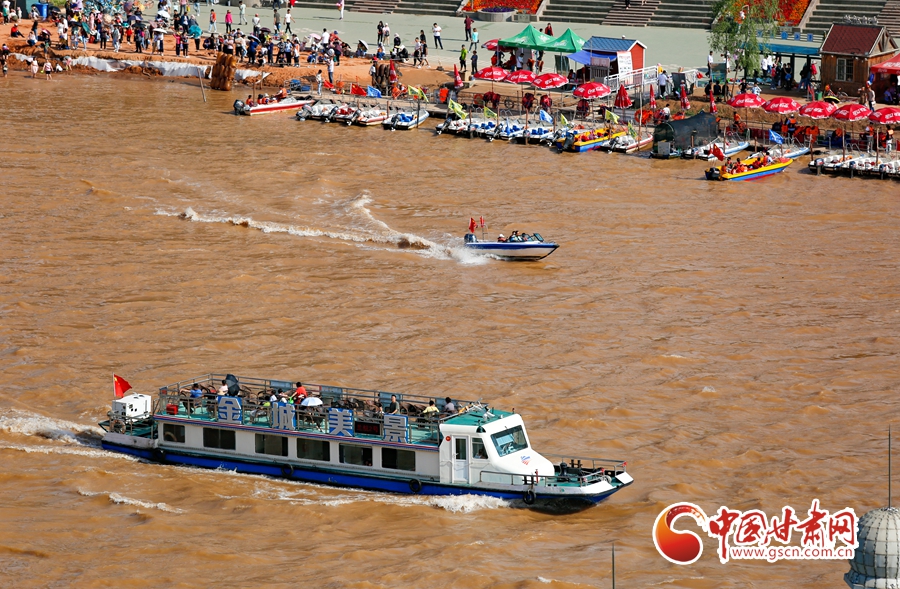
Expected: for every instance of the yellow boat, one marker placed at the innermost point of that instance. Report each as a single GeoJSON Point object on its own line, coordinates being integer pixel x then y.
{"type": "Point", "coordinates": [581, 141]}
{"type": "Point", "coordinates": [751, 169]}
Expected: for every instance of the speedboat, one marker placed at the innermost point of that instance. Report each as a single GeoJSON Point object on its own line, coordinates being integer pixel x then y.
{"type": "Point", "coordinates": [345, 113]}
{"type": "Point", "coordinates": [538, 133]}
{"type": "Point", "coordinates": [832, 162]}
{"type": "Point", "coordinates": [792, 151]}
{"type": "Point", "coordinates": [705, 152]}
{"type": "Point", "coordinates": [371, 116]}
{"type": "Point", "coordinates": [405, 119]}
{"type": "Point", "coordinates": [588, 140]}
{"type": "Point", "coordinates": [452, 125]}
{"type": "Point", "coordinates": [318, 110]}
{"type": "Point", "coordinates": [284, 105]}
{"type": "Point", "coordinates": [337, 436]}
{"type": "Point", "coordinates": [508, 130]}
{"type": "Point", "coordinates": [530, 247]}
{"type": "Point", "coordinates": [629, 143]}
{"type": "Point", "coordinates": [751, 168]}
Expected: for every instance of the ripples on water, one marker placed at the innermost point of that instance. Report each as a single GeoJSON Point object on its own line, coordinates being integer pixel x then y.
{"type": "Point", "coordinates": [736, 343]}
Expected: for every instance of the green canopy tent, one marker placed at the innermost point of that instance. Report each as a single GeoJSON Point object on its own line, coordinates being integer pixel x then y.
{"type": "Point", "coordinates": [568, 42]}
{"type": "Point", "coordinates": [529, 38]}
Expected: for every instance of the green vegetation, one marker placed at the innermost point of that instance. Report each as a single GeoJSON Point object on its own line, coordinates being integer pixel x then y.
{"type": "Point", "coordinates": [738, 29]}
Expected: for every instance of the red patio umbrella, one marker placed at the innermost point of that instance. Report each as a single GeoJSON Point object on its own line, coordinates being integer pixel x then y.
{"type": "Point", "coordinates": [782, 105]}
{"type": "Point", "coordinates": [491, 45]}
{"type": "Point", "coordinates": [746, 100]}
{"type": "Point", "coordinates": [851, 112]}
{"type": "Point", "coordinates": [520, 77]}
{"type": "Point", "coordinates": [592, 90]}
{"type": "Point", "coordinates": [818, 109]}
{"type": "Point", "coordinates": [889, 115]}
{"type": "Point", "coordinates": [457, 79]}
{"type": "Point", "coordinates": [547, 81]}
{"type": "Point", "coordinates": [494, 74]}
{"type": "Point", "coordinates": [652, 101]}
{"type": "Point", "coordinates": [623, 101]}
{"type": "Point", "coordinates": [712, 103]}
{"type": "Point", "coordinates": [685, 101]}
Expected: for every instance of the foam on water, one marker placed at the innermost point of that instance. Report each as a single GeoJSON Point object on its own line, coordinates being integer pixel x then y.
{"type": "Point", "coordinates": [52, 429]}
{"type": "Point", "coordinates": [123, 500]}
{"type": "Point", "coordinates": [66, 450]}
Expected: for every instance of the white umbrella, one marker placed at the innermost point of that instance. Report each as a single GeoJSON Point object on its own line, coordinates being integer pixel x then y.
{"type": "Point", "coordinates": [311, 402]}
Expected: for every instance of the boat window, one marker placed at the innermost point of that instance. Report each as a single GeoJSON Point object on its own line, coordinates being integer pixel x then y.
{"type": "Point", "coordinates": [173, 432]}
{"type": "Point", "coordinates": [398, 459]}
{"type": "Point", "coordinates": [538, 237]}
{"type": "Point", "coordinates": [478, 450]}
{"type": "Point", "coordinates": [314, 449]}
{"type": "Point", "coordinates": [461, 444]}
{"type": "Point", "coordinates": [218, 438]}
{"type": "Point", "coordinates": [510, 440]}
{"type": "Point", "coordinates": [274, 445]}
{"type": "Point", "coordinates": [361, 455]}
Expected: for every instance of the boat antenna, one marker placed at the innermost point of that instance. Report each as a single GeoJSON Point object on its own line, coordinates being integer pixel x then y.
{"type": "Point", "coordinates": [613, 565]}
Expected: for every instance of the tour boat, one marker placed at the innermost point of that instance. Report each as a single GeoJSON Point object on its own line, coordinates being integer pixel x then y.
{"type": "Point", "coordinates": [318, 110]}
{"type": "Point", "coordinates": [705, 152]}
{"type": "Point", "coordinates": [777, 165]}
{"type": "Point", "coordinates": [368, 117]}
{"type": "Point", "coordinates": [588, 140]}
{"type": "Point", "coordinates": [405, 119]}
{"type": "Point", "coordinates": [531, 248]}
{"type": "Point", "coordinates": [342, 436]}
{"type": "Point", "coordinates": [284, 105]}
{"type": "Point", "coordinates": [629, 143]}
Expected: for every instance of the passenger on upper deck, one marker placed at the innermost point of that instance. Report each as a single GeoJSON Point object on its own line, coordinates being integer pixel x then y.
{"type": "Point", "coordinates": [393, 407]}
{"type": "Point", "coordinates": [196, 391]}
{"type": "Point", "coordinates": [223, 390]}
{"type": "Point", "coordinates": [300, 393]}
{"type": "Point", "coordinates": [430, 410]}
{"type": "Point", "coordinates": [449, 407]}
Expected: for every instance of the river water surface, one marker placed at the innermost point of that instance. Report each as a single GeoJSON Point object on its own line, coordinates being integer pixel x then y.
{"type": "Point", "coordinates": [735, 343]}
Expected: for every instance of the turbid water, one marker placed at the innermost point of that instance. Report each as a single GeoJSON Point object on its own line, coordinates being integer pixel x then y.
{"type": "Point", "coordinates": [735, 343]}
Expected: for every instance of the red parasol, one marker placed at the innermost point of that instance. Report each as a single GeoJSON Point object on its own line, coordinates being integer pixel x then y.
{"type": "Point", "coordinates": [547, 81]}
{"type": "Point", "coordinates": [520, 77]}
{"type": "Point", "coordinates": [592, 90]}
{"type": "Point", "coordinates": [623, 101]}
{"type": "Point", "coordinates": [457, 79]}
{"type": "Point", "coordinates": [851, 112]}
{"type": "Point", "coordinates": [495, 74]}
{"type": "Point", "coordinates": [712, 103]}
{"type": "Point", "coordinates": [491, 45]}
{"type": "Point", "coordinates": [817, 110]}
{"type": "Point", "coordinates": [685, 101]}
{"type": "Point", "coordinates": [746, 100]}
{"type": "Point", "coordinates": [393, 74]}
{"type": "Point", "coordinates": [889, 115]}
{"type": "Point", "coordinates": [652, 103]}
{"type": "Point", "coordinates": [782, 105]}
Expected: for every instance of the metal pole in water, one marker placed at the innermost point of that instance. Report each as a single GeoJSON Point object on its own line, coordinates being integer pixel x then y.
{"type": "Point", "coordinates": [200, 77]}
{"type": "Point", "coordinates": [614, 565]}
{"type": "Point", "coordinates": [889, 466]}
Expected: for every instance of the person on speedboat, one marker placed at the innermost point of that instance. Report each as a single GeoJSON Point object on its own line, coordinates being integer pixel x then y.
{"type": "Point", "coordinates": [501, 238]}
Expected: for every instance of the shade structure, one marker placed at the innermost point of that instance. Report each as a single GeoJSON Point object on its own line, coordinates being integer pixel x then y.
{"type": "Point", "coordinates": [529, 38]}
{"type": "Point", "coordinates": [592, 90]}
{"type": "Point", "coordinates": [889, 115]}
{"type": "Point", "coordinates": [622, 98]}
{"type": "Point", "coordinates": [568, 42]}
{"type": "Point", "coordinates": [851, 112]}
{"type": "Point", "coordinates": [781, 105]}
{"type": "Point", "coordinates": [547, 81]}
{"type": "Point", "coordinates": [491, 45]}
{"type": "Point", "coordinates": [818, 109]}
{"type": "Point", "coordinates": [495, 74]}
{"type": "Point", "coordinates": [520, 77]}
{"type": "Point", "coordinates": [746, 100]}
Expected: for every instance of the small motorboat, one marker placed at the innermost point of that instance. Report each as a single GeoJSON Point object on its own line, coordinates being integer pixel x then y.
{"type": "Point", "coordinates": [588, 140]}
{"type": "Point", "coordinates": [345, 113]}
{"type": "Point", "coordinates": [508, 130]}
{"type": "Point", "coordinates": [792, 151]}
{"type": "Point", "coordinates": [284, 105]}
{"type": "Point", "coordinates": [318, 110]}
{"type": "Point", "coordinates": [889, 169]}
{"type": "Point", "coordinates": [750, 168]}
{"type": "Point", "coordinates": [705, 152]}
{"type": "Point", "coordinates": [452, 125]}
{"type": "Point", "coordinates": [538, 134]}
{"type": "Point", "coordinates": [368, 117]}
{"type": "Point", "coordinates": [519, 247]}
{"type": "Point", "coordinates": [629, 143]}
{"type": "Point", "coordinates": [405, 119]}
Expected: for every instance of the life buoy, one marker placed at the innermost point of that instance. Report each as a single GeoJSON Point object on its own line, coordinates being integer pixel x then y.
{"type": "Point", "coordinates": [118, 426]}
{"type": "Point", "coordinates": [287, 471]}
{"type": "Point", "coordinates": [529, 497]}
{"type": "Point", "coordinates": [159, 455]}
{"type": "Point", "coordinates": [415, 485]}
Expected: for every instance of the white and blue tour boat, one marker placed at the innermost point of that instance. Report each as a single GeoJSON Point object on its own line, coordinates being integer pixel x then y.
{"type": "Point", "coordinates": [342, 436]}
{"type": "Point", "coordinates": [528, 247]}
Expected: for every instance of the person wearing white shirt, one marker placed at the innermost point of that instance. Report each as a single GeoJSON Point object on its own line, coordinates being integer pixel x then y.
{"type": "Point", "coordinates": [709, 64]}
{"type": "Point", "coordinates": [662, 80]}
{"type": "Point", "coordinates": [243, 13]}
{"type": "Point", "coordinates": [436, 31]}
{"type": "Point", "coordinates": [287, 22]}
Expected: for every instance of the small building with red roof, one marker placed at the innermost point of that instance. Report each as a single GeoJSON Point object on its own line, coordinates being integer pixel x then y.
{"type": "Point", "coordinates": [850, 50]}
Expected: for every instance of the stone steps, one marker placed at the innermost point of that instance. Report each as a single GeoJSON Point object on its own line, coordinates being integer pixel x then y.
{"type": "Point", "coordinates": [890, 16]}
{"type": "Point", "coordinates": [829, 12]}
{"type": "Point", "coordinates": [637, 15]}
{"type": "Point", "coordinates": [586, 11]}
{"type": "Point", "coordinates": [675, 13]}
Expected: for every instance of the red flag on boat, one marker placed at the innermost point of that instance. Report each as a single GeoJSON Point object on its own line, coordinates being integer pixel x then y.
{"type": "Point", "coordinates": [357, 90]}
{"type": "Point", "coordinates": [471, 224]}
{"type": "Point", "coordinates": [482, 222]}
{"type": "Point", "coordinates": [717, 151]}
{"type": "Point", "coordinates": [120, 385]}
{"type": "Point", "coordinates": [457, 79]}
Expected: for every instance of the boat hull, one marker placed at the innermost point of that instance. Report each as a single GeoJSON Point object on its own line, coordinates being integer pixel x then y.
{"type": "Point", "coordinates": [338, 478]}
{"type": "Point", "coordinates": [514, 250]}
{"type": "Point", "coordinates": [393, 123]}
{"type": "Point", "coordinates": [267, 109]}
{"type": "Point", "coordinates": [776, 168]}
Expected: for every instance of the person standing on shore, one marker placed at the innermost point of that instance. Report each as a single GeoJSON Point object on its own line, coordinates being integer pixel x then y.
{"type": "Point", "coordinates": [34, 68]}
{"type": "Point", "coordinates": [468, 25]}
{"type": "Point", "coordinates": [462, 58]}
{"type": "Point", "coordinates": [48, 68]}
{"type": "Point", "coordinates": [256, 25]}
{"type": "Point", "coordinates": [436, 31]}
{"type": "Point", "coordinates": [380, 29]}
{"type": "Point", "coordinates": [331, 71]}
{"type": "Point", "coordinates": [340, 6]}
{"type": "Point", "coordinates": [229, 20]}
{"type": "Point", "coordinates": [213, 27]}
{"type": "Point", "coordinates": [116, 38]}
{"type": "Point", "coordinates": [474, 43]}
{"type": "Point", "coordinates": [287, 22]}
{"type": "Point", "coordinates": [4, 64]}
{"type": "Point", "coordinates": [474, 60]}
{"type": "Point", "coordinates": [319, 81]}
{"type": "Point", "coordinates": [277, 18]}
{"type": "Point", "coordinates": [242, 20]}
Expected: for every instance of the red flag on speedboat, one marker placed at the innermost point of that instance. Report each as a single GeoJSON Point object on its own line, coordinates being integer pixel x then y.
{"type": "Point", "coordinates": [457, 79]}
{"type": "Point", "coordinates": [120, 385]}
{"type": "Point", "coordinates": [716, 151]}
{"type": "Point", "coordinates": [471, 224]}
{"type": "Point", "coordinates": [482, 221]}
{"type": "Point", "coordinates": [357, 90]}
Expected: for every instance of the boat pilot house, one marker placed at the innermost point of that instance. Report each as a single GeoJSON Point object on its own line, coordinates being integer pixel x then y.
{"type": "Point", "coordinates": [850, 50]}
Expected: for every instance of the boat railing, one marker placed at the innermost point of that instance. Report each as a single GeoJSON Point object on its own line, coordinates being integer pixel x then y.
{"type": "Point", "coordinates": [577, 471]}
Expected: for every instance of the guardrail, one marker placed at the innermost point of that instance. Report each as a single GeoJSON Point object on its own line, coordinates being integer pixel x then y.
{"type": "Point", "coordinates": [576, 471]}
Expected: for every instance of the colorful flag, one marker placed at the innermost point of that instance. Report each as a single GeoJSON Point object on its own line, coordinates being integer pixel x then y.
{"type": "Point", "coordinates": [373, 92]}
{"type": "Point", "coordinates": [563, 121]}
{"type": "Point", "coordinates": [545, 118]}
{"type": "Point", "coordinates": [471, 224]}
{"type": "Point", "coordinates": [631, 130]}
{"type": "Point", "coordinates": [775, 137]}
{"type": "Point", "coordinates": [482, 222]}
{"type": "Point", "coordinates": [456, 108]}
{"type": "Point", "coordinates": [416, 93]}
{"type": "Point", "coordinates": [717, 151]}
{"type": "Point", "coordinates": [489, 114]}
{"type": "Point", "coordinates": [357, 90]}
{"type": "Point", "coordinates": [611, 116]}
{"type": "Point", "coordinates": [457, 79]}
{"type": "Point", "coordinates": [120, 385]}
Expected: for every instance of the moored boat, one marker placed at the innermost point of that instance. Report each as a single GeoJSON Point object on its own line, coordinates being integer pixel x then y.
{"type": "Point", "coordinates": [587, 140]}
{"type": "Point", "coordinates": [749, 169]}
{"type": "Point", "coordinates": [274, 106]}
{"type": "Point", "coordinates": [368, 117]}
{"type": "Point", "coordinates": [405, 119]}
{"type": "Point", "coordinates": [524, 247]}
{"type": "Point", "coordinates": [630, 144]}
{"type": "Point", "coordinates": [318, 110]}
{"type": "Point", "coordinates": [706, 152]}
{"type": "Point", "coordinates": [338, 436]}
{"type": "Point", "coordinates": [344, 113]}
